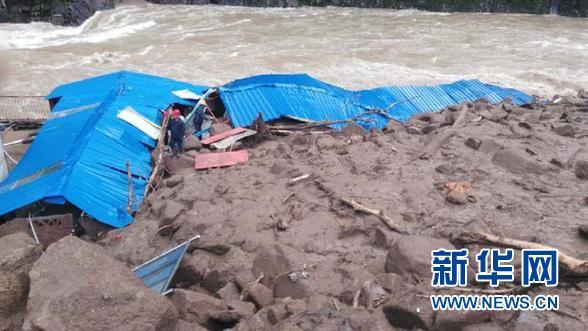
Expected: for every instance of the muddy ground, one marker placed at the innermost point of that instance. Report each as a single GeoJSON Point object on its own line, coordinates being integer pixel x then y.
{"type": "Point", "coordinates": [525, 169]}
{"type": "Point", "coordinates": [284, 254]}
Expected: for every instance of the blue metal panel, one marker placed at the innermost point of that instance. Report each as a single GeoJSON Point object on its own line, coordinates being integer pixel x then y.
{"type": "Point", "coordinates": [158, 272]}
{"type": "Point", "coordinates": [519, 98]}
{"type": "Point", "coordinates": [302, 96]}
{"type": "Point", "coordinates": [92, 146]}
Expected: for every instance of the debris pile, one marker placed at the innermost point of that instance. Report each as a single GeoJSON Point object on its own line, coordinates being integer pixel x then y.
{"type": "Point", "coordinates": [306, 228]}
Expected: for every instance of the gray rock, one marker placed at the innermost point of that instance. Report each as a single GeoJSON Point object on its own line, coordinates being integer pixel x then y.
{"type": "Point", "coordinates": [581, 169]}
{"type": "Point", "coordinates": [174, 181]}
{"type": "Point", "coordinates": [566, 130]}
{"type": "Point", "coordinates": [261, 295]}
{"type": "Point", "coordinates": [489, 146]}
{"type": "Point", "coordinates": [270, 262]}
{"type": "Point", "coordinates": [412, 255]}
{"type": "Point", "coordinates": [473, 143]}
{"type": "Point", "coordinates": [516, 161]}
{"type": "Point", "coordinates": [410, 309]}
{"type": "Point", "coordinates": [196, 307]}
{"type": "Point", "coordinates": [18, 252]}
{"type": "Point", "coordinates": [284, 287]}
{"type": "Point", "coordinates": [583, 231]}
{"type": "Point", "coordinates": [171, 211]}
{"type": "Point", "coordinates": [13, 297]}
{"type": "Point", "coordinates": [229, 292]}
{"type": "Point", "coordinates": [89, 288]}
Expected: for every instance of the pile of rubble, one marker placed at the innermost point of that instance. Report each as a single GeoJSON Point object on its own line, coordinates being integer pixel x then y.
{"type": "Point", "coordinates": [330, 231]}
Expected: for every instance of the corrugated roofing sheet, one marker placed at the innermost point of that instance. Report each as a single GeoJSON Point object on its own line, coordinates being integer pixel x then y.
{"type": "Point", "coordinates": [158, 273]}
{"type": "Point", "coordinates": [301, 96]}
{"type": "Point", "coordinates": [81, 152]}
{"type": "Point", "coordinates": [16, 108]}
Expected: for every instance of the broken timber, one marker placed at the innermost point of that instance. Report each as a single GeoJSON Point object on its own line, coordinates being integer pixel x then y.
{"type": "Point", "coordinates": [387, 220]}
{"type": "Point", "coordinates": [570, 266]}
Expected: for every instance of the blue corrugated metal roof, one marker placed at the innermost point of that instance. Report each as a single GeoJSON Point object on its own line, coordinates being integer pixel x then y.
{"type": "Point", "coordinates": [81, 152]}
{"type": "Point", "coordinates": [301, 96]}
{"type": "Point", "coordinates": [158, 273]}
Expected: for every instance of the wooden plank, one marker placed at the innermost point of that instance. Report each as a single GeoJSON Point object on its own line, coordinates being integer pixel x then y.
{"type": "Point", "coordinates": [221, 136]}
{"type": "Point", "coordinates": [224, 159]}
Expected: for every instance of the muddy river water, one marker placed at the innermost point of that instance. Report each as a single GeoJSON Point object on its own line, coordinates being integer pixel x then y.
{"type": "Point", "coordinates": [354, 48]}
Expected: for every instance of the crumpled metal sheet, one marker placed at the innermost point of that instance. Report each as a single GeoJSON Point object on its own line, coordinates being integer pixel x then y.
{"type": "Point", "coordinates": [87, 149]}
{"type": "Point", "coordinates": [304, 97]}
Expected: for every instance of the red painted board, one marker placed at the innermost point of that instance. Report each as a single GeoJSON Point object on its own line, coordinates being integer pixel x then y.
{"type": "Point", "coordinates": [224, 159]}
{"type": "Point", "coordinates": [221, 136]}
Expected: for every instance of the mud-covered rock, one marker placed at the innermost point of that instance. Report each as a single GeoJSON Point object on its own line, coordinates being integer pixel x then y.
{"type": "Point", "coordinates": [583, 231]}
{"type": "Point", "coordinates": [566, 130]}
{"type": "Point", "coordinates": [18, 252]}
{"type": "Point", "coordinates": [261, 295]}
{"type": "Point", "coordinates": [89, 288]}
{"type": "Point", "coordinates": [196, 307]}
{"type": "Point", "coordinates": [515, 161]}
{"type": "Point", "coordinates": [412, 255]}
{"type": "Point", "coordinates": [581, 169]}
{"type": "Point", "coordinates": [14, 289]}
{"type": "Point", "coordinates": [270, 262]}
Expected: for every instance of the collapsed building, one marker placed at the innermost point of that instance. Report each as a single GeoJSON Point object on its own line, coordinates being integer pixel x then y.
{"type": "Point", "coordinates": [92, 157]}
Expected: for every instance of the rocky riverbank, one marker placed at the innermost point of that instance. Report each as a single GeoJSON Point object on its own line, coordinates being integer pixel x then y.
{"type": "Point", "coordinates": [284, 254]}
{"type": "Point", "coordinates": [75, 12]}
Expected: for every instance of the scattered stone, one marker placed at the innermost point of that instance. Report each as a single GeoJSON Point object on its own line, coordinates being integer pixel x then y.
{"type": "Point", "coordinates": [445, 169]}
{"type": "Point", "coordinates": [245, 309]}
{"type": "Point", "coordinates": [284, 287]}
{"type": "Point", "coordinates": [566, 130]}
{"type": "Point", "coordinates": [581, 170]}
{"type": "Point", "coordinates": [547, 116]}
{"type": "Point", "coordinates": [229, 292]}
{"type": "Point", "coordinates": [196, 307]}
{"type": "Point", "coordinates": [515, 161]}
{"type": "Point", "coordinates": [270, 262]}
{"type": "Point", "coordinates": [353, 130]}
{"type": "Point", "coordinates": [90, 288]}
{"type": "Point", "coordinates": [489, 146]}
{"type": "Point", "coordinates": [473, 143]}
{"type": "Point", "coordinates": [171, 211]}
{"type": "Point", "coordinates": [243, 279]}
{"type": "Point", "coordinates": [583, 231]}
{"type": "Point", "coordinates": [174, 181]}
{"type": "Point", "coordinates": [557, 163]}
{"type": "Point", "coordinates": [412, 255]}
{"type": "Point", "coordinates": [261, 295]}
{"type": "Point", "coordinates": [395, 127]}
{"type": "Point", "coordinates": [410, 310]}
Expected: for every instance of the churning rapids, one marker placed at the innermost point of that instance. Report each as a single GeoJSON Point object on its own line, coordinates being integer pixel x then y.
{"type": "Point", "coordinates": [354, 48]}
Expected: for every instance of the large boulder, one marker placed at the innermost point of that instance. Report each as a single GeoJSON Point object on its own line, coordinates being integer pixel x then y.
{"type": "Point", "coordinates": [515, 161]}
{"type": "Point", "coordinates": [75, 285]}
{"type": "Point", "coordinates": [411, 255]}
{"type": "Point", "coordinates": [18, 253]}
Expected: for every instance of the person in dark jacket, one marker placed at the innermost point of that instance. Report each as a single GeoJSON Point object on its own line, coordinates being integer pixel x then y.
{"type": "Point", "coordinates": [176, 131]}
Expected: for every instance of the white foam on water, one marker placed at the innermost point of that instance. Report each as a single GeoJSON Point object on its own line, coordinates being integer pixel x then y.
{"type": "Point", "coordinates": [353, 48]}
{"type": "Point", "coordinates": [99, 28]}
